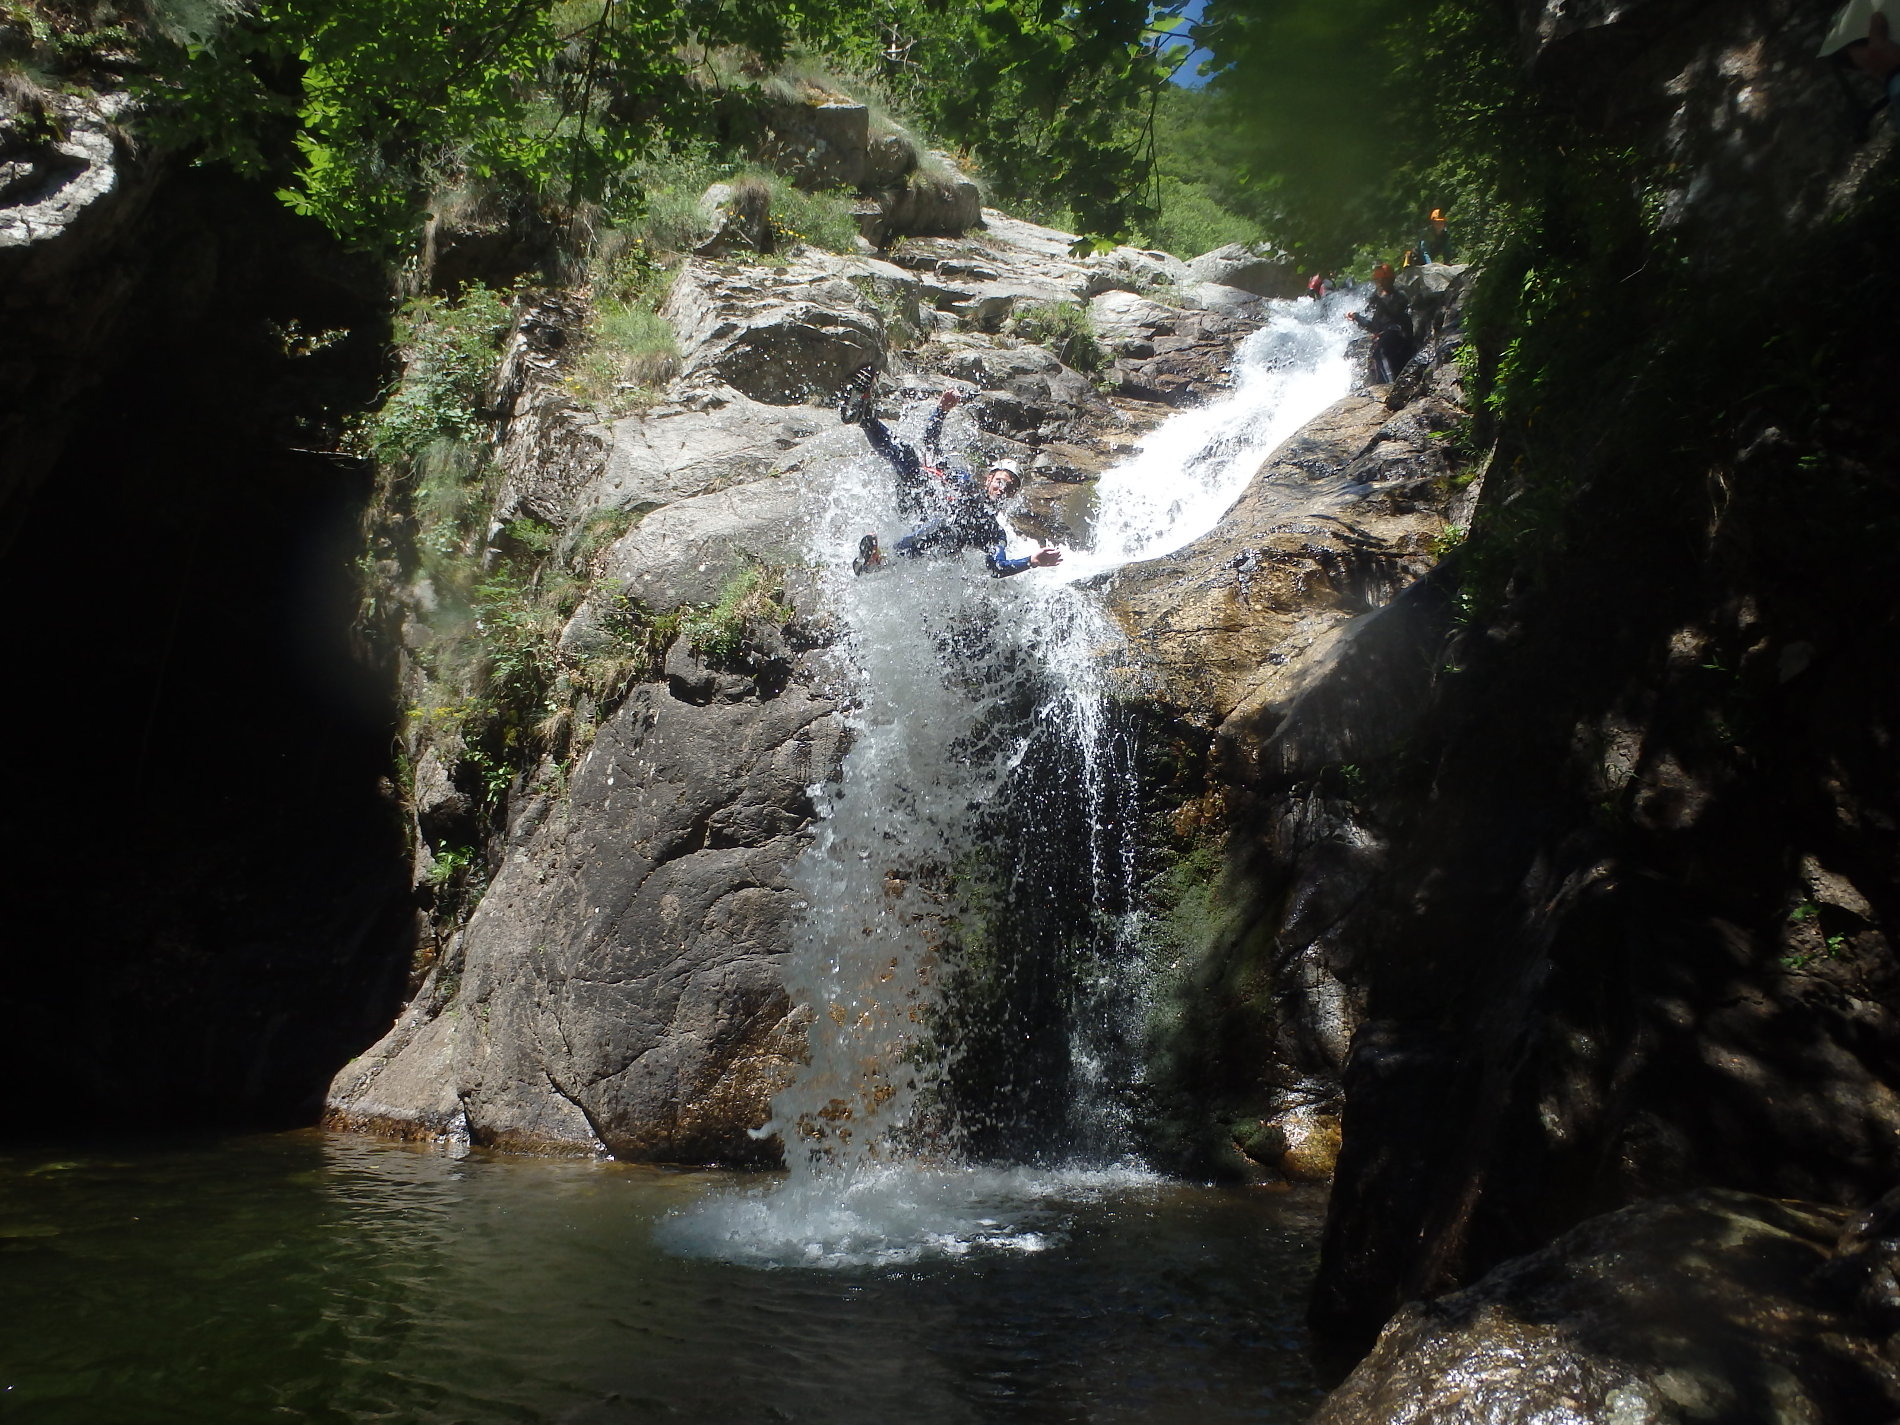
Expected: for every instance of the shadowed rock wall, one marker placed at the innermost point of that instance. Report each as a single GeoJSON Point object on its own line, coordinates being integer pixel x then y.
{"type": "Point", "coordinates": [1560, 877]}
{"type": "Point", "coordinates": [1593, 831]}
{"type": "Point", "coordinates": [1633, 935]}
{"type": "Point", "coordinates": [208, 909]}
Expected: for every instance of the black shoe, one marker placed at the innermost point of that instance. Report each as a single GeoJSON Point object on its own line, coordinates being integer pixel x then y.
{"type": "Point", "coordinates": [854, 401]}
{"type": "Point", "coordinates": [869, 556]}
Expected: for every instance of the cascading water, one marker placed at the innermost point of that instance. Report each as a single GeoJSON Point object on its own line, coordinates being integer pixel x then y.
{"type": "Point", "coordinates": [1189, 470]}
{"type": "Point", "coordinates": [974, 984]}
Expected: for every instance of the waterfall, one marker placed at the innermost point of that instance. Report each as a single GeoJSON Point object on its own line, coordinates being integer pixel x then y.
{"type": "Point", "coordinates": [1190, 469]}
{"type": "Point", "coordinates": [967, 954]}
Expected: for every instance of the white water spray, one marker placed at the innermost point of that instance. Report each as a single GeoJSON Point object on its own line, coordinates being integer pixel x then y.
{"type": "Point", "coordinates": [978, 843]}
{"type": "Point", "coordinates": [1190, 469]}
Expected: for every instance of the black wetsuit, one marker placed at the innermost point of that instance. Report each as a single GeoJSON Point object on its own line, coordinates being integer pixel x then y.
{"type": "Point", "coordinates": [916, 482]}
{"type": "Point", "coordinates": [1388, 316]}
{"type": "Point", "coordinates": [952, 513]}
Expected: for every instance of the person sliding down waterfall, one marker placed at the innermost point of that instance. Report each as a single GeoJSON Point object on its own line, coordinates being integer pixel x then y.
{"type": "Point", "coordinates": [954, 512]}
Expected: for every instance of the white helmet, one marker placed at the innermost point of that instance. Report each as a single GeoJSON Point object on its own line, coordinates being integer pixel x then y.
{"type": "Point", "coordinates": [1852, 22]}
{"type": "Point", "coordinates": [1014, 467]}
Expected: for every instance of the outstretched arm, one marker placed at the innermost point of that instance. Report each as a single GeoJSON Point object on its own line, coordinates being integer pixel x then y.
{"type": "Point", "coordinates": [933, 428]}
{"type": "Point", "coordinates": [1002, 566]}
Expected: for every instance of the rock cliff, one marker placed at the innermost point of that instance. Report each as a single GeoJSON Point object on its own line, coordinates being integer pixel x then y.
{"type": "Point", "coordinates": [620, 984]}
{"type": "Point", "coordinates": [1567, 877]}
{"type": "Point", "coordinates": [1630, 935]}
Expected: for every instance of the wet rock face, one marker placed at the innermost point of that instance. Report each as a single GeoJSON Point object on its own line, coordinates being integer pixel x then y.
{"type": "Point", "coordinates": [1710, 1306]}
{"type": "Point", "coordinates": [1297, 639]}
{"type": "Point", "coordinates": [1175, 355]}
{"type": "Point", "coordinates": [620, 986]}
{"type": "Point", "coordinates": [1338, 519]}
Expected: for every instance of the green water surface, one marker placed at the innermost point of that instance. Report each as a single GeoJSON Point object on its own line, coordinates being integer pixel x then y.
{"type": "Point", "coordinates": [314, 1277]}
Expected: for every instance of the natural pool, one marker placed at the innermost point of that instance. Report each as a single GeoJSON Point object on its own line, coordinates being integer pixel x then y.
{"type": "Point", "coordinates": [311, 1276]}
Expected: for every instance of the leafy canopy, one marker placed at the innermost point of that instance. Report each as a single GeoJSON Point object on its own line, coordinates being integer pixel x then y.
{"type": "Point", "coordinates": [1350, 119]}
{"type": "Point", "coordinates": [356, 106]}
{"type": "Point", "coordinates": [1055, 100]}
{"type": "Point", "coordinates": [372, 95]}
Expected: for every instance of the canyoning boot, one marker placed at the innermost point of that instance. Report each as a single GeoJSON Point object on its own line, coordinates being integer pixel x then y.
{"type": "Point", "coordinates": [870, 557]}
{"type": "Point", "coordinates": [855, 400]}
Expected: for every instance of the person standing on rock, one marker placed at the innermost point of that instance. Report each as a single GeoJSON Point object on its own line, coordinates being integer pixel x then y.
{"type": "Point", "coordinates": [1436, 244]}
{"type": "Point", "coordinates": [954, 511]}
{"type": "Point", "coordinates": [1388, 316]}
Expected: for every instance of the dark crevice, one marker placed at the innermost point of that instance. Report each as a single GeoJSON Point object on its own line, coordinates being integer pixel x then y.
{"type": "Point", "coordinates": [212, 912]}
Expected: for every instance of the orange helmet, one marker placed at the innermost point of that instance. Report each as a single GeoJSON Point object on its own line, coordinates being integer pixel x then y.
{"type": "Point", "coordinates": [1438, 215]}
{"type": "Point", "coordinates": [1382, 272]}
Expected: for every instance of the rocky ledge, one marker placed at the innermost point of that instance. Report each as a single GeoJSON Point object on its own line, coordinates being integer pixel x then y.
{"type": "Point", "coordinates": [1706, 1306]}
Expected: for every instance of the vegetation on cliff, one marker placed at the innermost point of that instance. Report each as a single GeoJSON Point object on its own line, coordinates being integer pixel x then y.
{"type": "Point", "coordinates": [1337, 126]}
{"type": "Point", "coordinates": [359, 110]}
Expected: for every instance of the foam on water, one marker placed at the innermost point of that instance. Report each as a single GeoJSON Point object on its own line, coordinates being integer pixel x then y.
{"type": "Point", "coordinates": [894, 1214]}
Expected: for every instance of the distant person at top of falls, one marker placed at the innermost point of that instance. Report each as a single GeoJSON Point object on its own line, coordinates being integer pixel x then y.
{"type": "Point", "coordinates": [1862, 38]}
{"type": "Point", "coordinates": [1436, 244]}
{"type": "Point", "coordinates": [954, 511]}
{"type": "Point", "coordinates": [1319, 285]}
{"type": "Point", "coordinates": [1388, 316]}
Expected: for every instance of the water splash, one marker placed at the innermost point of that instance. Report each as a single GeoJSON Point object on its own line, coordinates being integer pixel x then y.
{"type": "Point", "coordinates": [894, 1214]}
{"type": "Point", "coordinates": [966, 953]}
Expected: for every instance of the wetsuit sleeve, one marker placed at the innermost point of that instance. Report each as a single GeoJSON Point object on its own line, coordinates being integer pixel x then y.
{"type": "Point", "coordinates": [1002, 566]}
{"type": "Point", "coordinates": [933, 431]}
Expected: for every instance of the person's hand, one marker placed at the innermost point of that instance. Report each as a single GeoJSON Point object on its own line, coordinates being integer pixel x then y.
{"type": "Point", "coordinates": [949, 401]}
{"type": "Point", "coordinates": [1880, 56]}
{"type": "Point", "coordinates": [1046, 556]}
